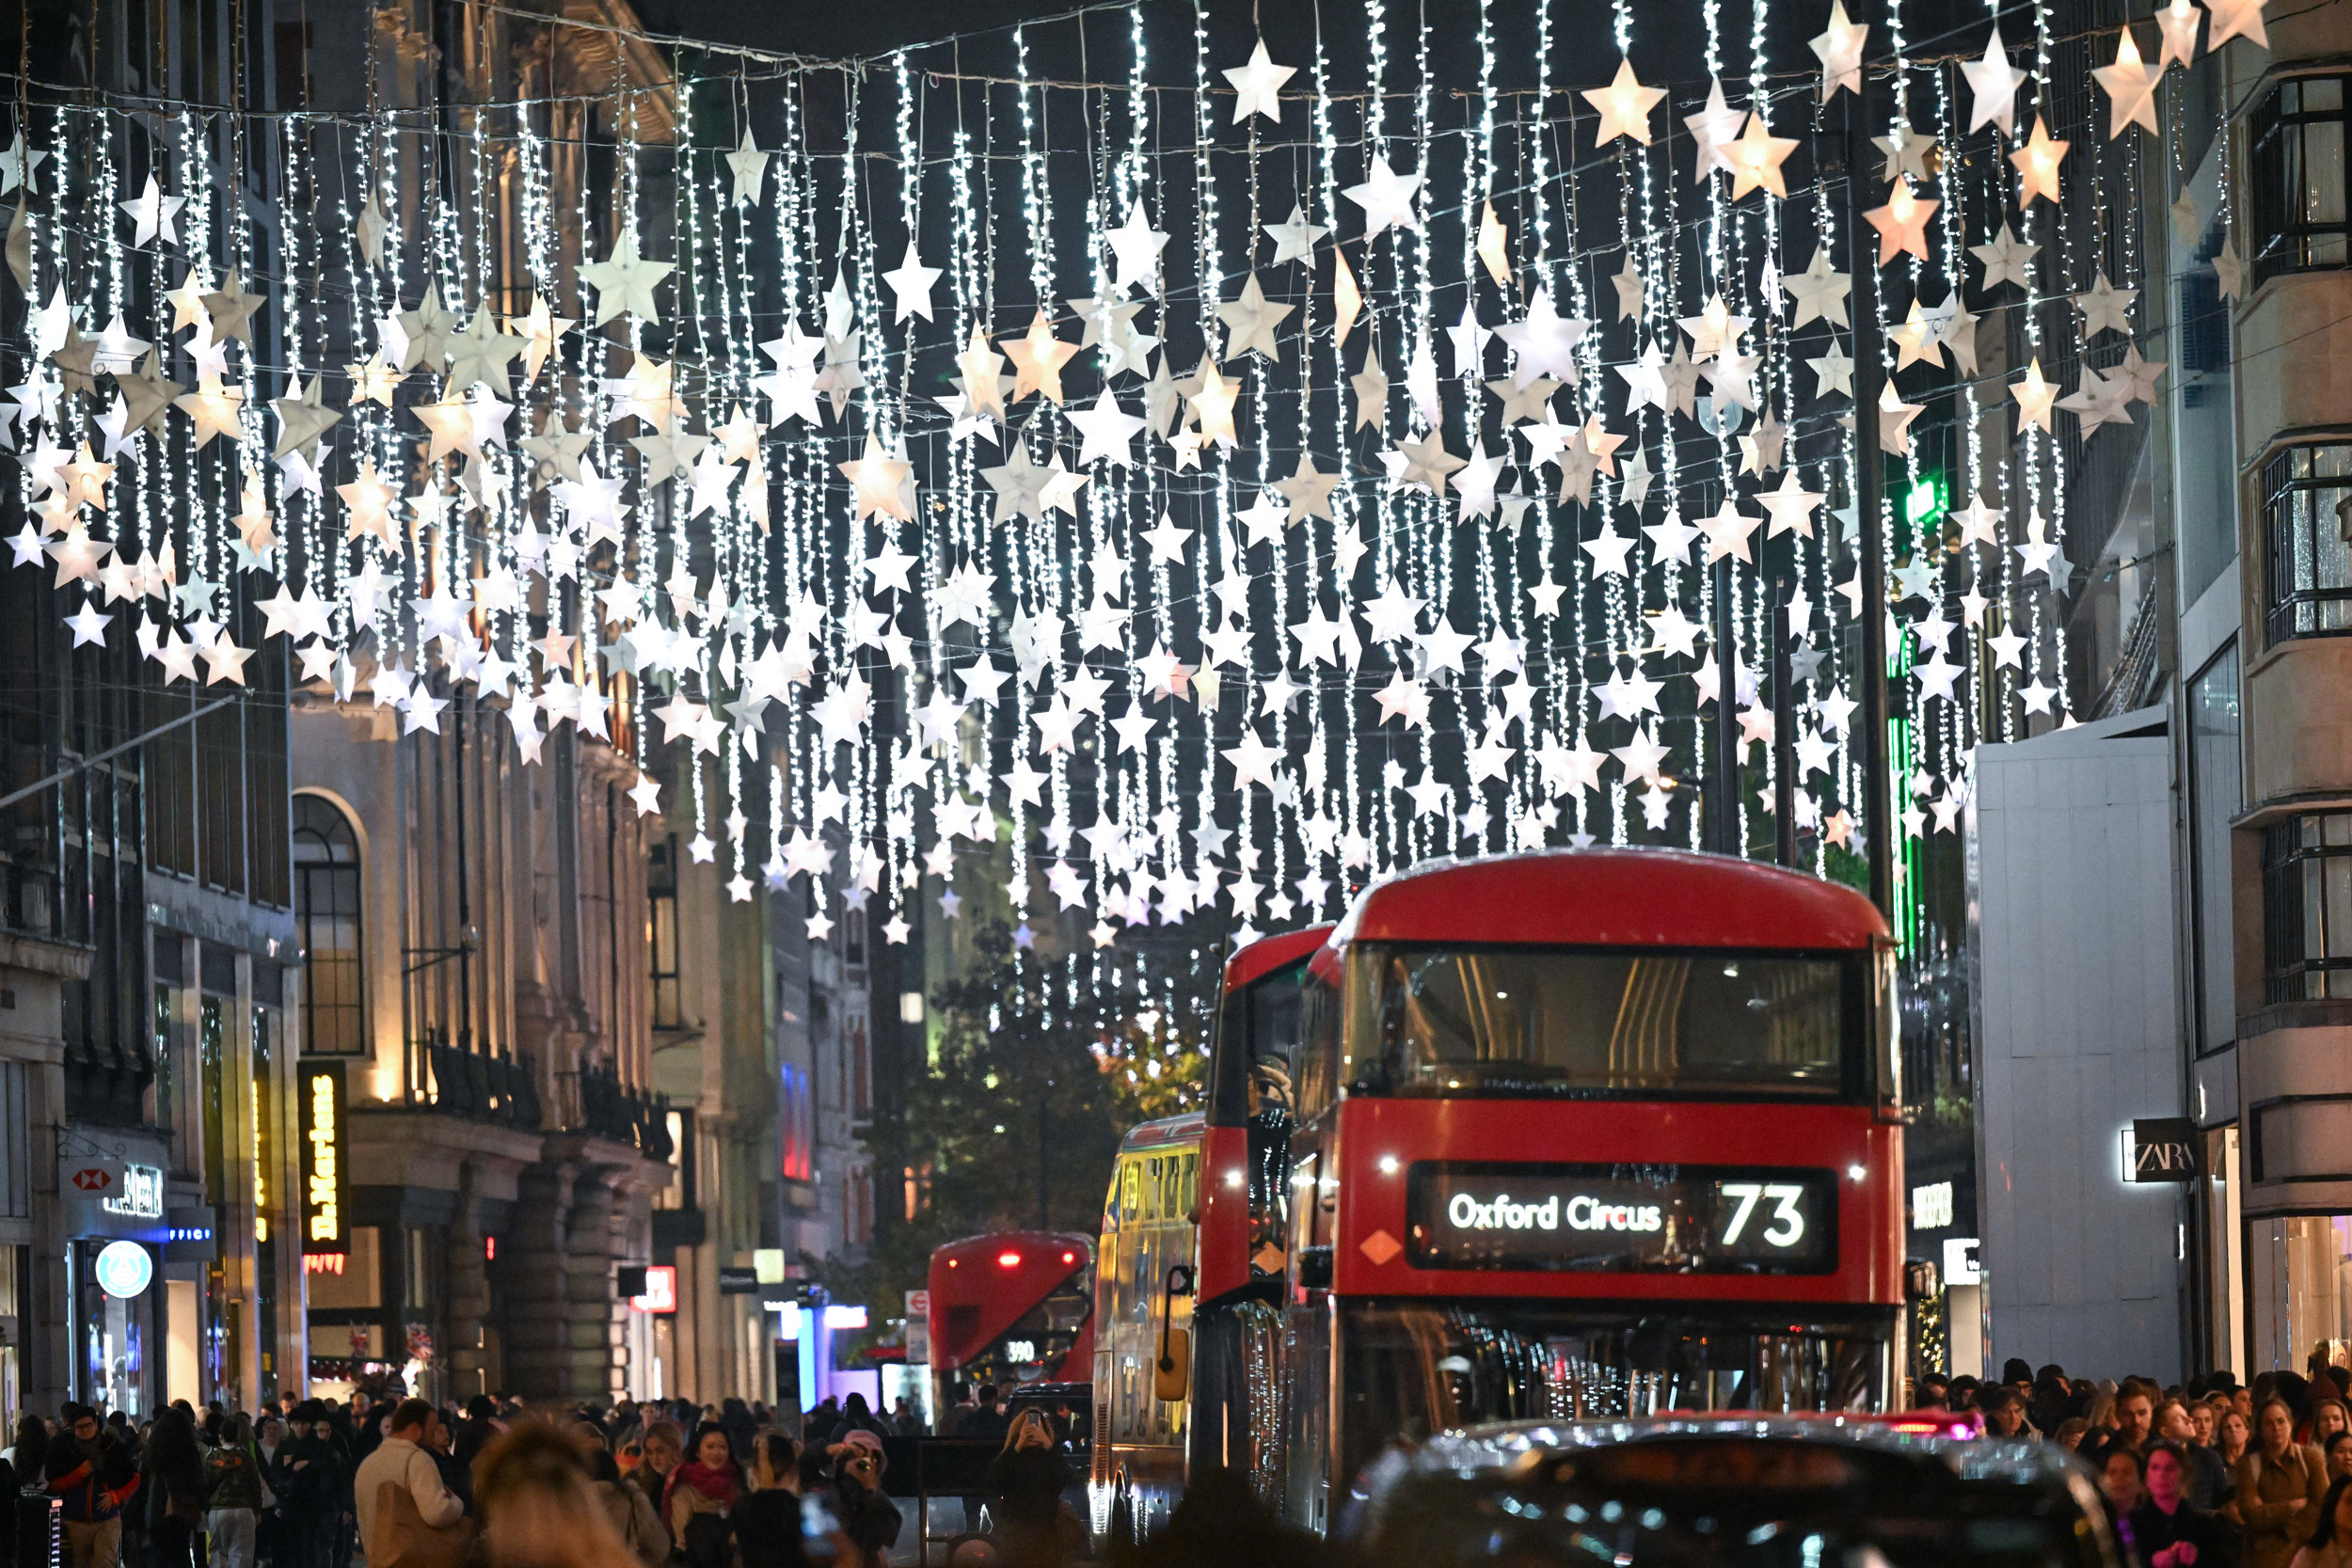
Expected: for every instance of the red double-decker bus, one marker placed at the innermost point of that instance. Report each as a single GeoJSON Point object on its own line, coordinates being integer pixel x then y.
{"type": "Point", "coordinates": [1012, 1308]}
{"type": "Point", "coordinates": [1562, 1134]}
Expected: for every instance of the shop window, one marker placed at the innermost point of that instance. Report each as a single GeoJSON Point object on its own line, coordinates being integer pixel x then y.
{"type": "Point", "coordinates": [2297, 139]}
{"type": "Point", "coordinates": [2297, 1267]}
{"type": "Point", "coordinates": [2307, 907]}
{"type": "Point", "coordinates": [328, 916]}
{"type": "Point", "coordinates": [2310, 585]}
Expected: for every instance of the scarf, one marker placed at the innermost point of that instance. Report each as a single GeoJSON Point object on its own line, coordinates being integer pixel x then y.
{"type": "Point", "coordinates": [718, 1484]}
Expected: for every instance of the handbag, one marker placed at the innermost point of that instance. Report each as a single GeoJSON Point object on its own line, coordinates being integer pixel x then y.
{"type": "Point", "coordinates": [404, 1539]}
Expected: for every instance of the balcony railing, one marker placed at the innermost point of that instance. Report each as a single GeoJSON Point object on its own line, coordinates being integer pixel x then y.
{"type": "Point", "coordinates": [457, 1082]}
{"type": "Point", "coordinates": [597, 1101]}
{"type": "Point", "coordinates": [454, 1081]}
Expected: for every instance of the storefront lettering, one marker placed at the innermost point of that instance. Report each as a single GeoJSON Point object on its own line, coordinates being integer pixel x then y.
{"type": "Point", "coordinates": [326, 1222]}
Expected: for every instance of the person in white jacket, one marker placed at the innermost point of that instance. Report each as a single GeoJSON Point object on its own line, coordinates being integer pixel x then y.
{"type": "Point", "coordinates": [401, 1459]}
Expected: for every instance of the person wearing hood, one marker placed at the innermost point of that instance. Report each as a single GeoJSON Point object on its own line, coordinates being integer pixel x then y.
{"type": "Point", "coordinates": [868, 1518]}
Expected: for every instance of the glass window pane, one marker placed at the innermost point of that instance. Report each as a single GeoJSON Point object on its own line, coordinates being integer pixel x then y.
{"type": "Point", "coordinates": [2312, 904]}
{"type": "Point", "coordinates": [2338, 938]}
{"type": "Point", "coordinates": [2216, 792]}
{"type": "Point", "coordinates": [2323, 93]}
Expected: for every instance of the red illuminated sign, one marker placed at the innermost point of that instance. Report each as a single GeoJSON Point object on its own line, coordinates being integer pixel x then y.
{"type": "Point", "coordinates": [660, 1290]}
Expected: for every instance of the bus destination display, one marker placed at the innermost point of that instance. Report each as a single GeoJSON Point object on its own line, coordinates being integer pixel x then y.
{"type": "Point", "coordinates": [1669, 1219]}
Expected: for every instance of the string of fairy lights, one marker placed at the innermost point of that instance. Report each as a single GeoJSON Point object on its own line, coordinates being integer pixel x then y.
{"type": "Point", "coordinates": [1145, 471]}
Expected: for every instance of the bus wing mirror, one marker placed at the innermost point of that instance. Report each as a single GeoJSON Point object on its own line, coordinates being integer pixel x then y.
{"type": "Point", "coordinates": [1314, 1268]}
{"type": "Point", "coordinates": [1920, 1282]}
{"type": "Point", "coordinates": [1172, 1374]}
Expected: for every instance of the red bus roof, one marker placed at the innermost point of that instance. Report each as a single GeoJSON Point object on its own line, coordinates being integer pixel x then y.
{"type": "Point", "coordinates": [983, 1284]}
{"type": "Point", "coordinates": [1168, 1129]}
{"type": "Point", "coordinates": [1614, 897]}
{"type": "Point", "coordinates": [1268, 953]}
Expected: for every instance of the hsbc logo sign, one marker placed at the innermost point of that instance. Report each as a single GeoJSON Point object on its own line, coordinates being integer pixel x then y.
{"type": "Point", "coordinates": [113, 1187]}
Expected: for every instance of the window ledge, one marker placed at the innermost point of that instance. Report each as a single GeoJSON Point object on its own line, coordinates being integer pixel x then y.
{"type": "Point", "coordinates": [2296, 1015]}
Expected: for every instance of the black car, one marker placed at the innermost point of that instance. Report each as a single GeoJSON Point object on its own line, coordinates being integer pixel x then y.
{"type": "Point", "coordinates": [1722, 1492]}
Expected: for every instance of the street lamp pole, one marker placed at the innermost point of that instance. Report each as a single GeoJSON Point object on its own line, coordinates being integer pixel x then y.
{"type": "Point", "coordinates": [1870, 378]}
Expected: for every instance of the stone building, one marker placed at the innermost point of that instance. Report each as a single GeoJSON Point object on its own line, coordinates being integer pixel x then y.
{"type": "Point", "coordinates": [147, 978]}
{"type": "Point", "coordinates": [475, 923]}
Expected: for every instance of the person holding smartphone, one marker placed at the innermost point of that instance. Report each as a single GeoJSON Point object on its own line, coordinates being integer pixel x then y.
{"type": "Point", "coordinates": [868, 1519]}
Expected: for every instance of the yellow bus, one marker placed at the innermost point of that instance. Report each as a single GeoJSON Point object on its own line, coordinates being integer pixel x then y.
{"type": "Point", "coordinates": [1143, 1283]}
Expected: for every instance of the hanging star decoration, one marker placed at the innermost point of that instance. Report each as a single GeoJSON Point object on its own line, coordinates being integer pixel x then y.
{"type": "Point", "coordinates": [625, 281]}
{"type": "Point", "coordinates": [1902, 223]}
{"type": "Point", "coordinates": [1625, 107]}
{"type": "Point", "coordinates": [2038, 166]}
{"type": "Point", "coordinates": [1839, 49]}
{"type": "Point", "coordinates": [1386, 199]}
{"type": "Point", "coordinates": [747, 168]}
{"type": "Point", "coordinates": [2131, 87]}
{"type": "Point", "coordinates": [1992, 85]}
{"type": "Point", "coordinates": [1257, 87]}
{"type": "Point", "coordinates": [1037, 357]}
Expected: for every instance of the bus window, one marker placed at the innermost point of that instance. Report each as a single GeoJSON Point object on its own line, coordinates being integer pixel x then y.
{"type": "Point", "coordinates": [1319, 1031]}
{"type": "Point", "coordinates": [1188, 1198]}
{"type": "Point", "coordinates": [1257, 1039]}
{"type": "Point", "coordinates": [1303, 1205]}
{"type": "Point", "coordinates": [1131, 1200]}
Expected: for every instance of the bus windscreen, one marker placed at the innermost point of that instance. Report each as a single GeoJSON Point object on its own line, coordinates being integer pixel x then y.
{"type": "Point", "coordinates": [1503, 1021]}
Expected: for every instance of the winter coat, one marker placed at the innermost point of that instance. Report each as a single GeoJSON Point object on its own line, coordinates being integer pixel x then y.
{"type": "Point", "coordinates": [2268, 1491]}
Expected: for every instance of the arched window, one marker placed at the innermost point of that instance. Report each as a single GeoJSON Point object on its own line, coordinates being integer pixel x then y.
{"type": "Point", "coordinates": [326, 911]}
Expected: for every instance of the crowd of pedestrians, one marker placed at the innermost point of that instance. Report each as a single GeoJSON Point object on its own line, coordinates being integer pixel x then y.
{"type": "Point", "coordinates": [2213, 1475]}
{"type": "Point", "coordinates": [408, 1483]}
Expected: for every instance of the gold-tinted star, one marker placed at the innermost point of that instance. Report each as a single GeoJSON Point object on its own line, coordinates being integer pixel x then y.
{"type": "Point", "coordinates": [2037, 164]}
{"type": "Point", "coordinates": [1755, 159]}
{"type": "Point", "coordinates": [1902, 223]}
{"type": "Point", "coordinates": [1625, 107]}
{"type": "Point", "coordinates": [1037, 357]}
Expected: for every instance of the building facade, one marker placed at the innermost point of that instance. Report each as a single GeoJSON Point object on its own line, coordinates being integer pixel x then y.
{"type": "Point", "coordinates": [2223, 601]}
{"type": "Point", "coordinates": [2266, 739]}
{"type": "Point", "coordinates": [149, 986]}
{"type": "Point", "coordinates": [476, 918]}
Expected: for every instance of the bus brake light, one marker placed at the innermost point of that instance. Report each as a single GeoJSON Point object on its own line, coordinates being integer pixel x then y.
{"type": "Point", "coordinates": [1009, 1259]}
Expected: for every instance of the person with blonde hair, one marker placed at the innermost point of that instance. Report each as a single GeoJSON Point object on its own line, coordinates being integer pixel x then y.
{"type": "Point", "coordinates": [538, 1506]}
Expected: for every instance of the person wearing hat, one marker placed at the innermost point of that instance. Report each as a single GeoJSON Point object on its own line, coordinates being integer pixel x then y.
{"type": "Point", "coordinates": [868, 1518]}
